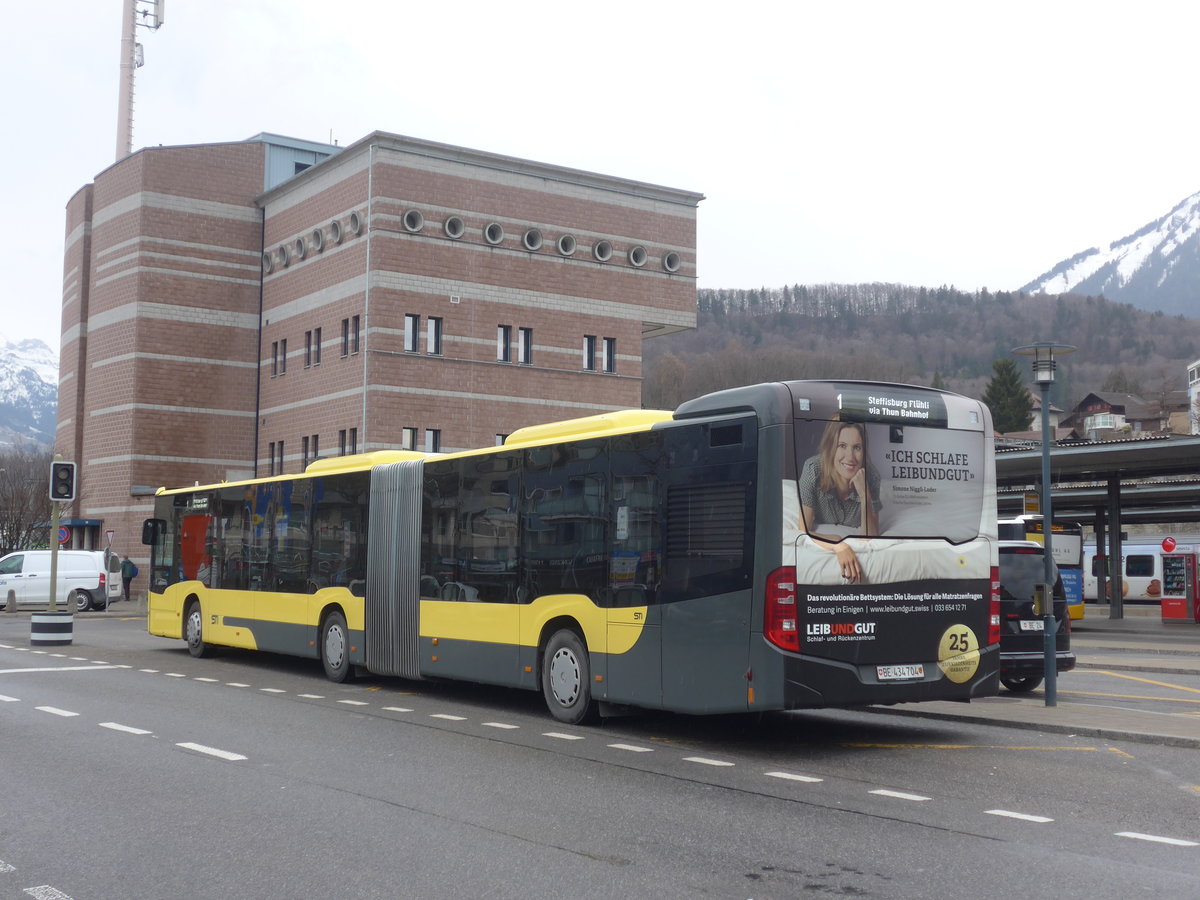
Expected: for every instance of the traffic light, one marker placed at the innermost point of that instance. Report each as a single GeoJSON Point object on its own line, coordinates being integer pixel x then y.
{"type": "Point", "coordinates": [62, 481]}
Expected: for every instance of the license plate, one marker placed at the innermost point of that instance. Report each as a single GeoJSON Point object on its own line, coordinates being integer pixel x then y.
{"type": "Point", "coordinates": [899, 673]}
{"type": "Point", "coordinates": [1033, 625]}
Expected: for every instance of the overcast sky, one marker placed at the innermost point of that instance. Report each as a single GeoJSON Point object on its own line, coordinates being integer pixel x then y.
{"type": "Point", "coordinates": [925, 143]}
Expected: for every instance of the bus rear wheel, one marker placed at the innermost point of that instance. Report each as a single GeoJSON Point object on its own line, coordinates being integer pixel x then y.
{"type": "Point", "coordinates": [335, 648]}
{"type": "Point", "coordinates": [567, 678]}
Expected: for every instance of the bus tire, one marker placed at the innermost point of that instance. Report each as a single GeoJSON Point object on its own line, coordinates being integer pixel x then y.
{"type": "Point", "coordinates": [567, 678]}
{"type": "Point", "coordinates": [1021, 684]}
{"type": "Point", "coordinates": [335, 648]}
{"type": "Point", "coordinates": [193, 631]}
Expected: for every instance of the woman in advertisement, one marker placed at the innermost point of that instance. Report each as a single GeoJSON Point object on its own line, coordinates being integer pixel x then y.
{"type": "Point", "coordinates": [839, 494]}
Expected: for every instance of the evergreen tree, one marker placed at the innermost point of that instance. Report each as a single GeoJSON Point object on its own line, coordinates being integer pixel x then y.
{"type": "Point", "coordinates": [1008, 398]}
{"type": "Point", "coordinates": [939, 382]}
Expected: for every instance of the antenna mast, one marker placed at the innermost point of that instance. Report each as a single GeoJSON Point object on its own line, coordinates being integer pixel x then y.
{"type": "Point", "coordinates": [148, 14]}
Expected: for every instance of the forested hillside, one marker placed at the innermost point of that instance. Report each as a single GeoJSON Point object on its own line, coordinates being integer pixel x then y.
{"type": "Point", "coordinates": [920, 335]}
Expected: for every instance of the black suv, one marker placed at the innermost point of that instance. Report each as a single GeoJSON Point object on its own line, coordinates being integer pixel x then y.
{"type": "Point", "coordinates": [1022, 636]}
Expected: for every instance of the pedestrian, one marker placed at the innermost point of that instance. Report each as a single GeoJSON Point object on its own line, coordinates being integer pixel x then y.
{"type": "Point", "coordinates": [128, 573]}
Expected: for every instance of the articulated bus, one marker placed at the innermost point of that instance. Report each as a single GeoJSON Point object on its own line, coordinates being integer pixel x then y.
{"type": "Point", "coordinates": [778, 546]}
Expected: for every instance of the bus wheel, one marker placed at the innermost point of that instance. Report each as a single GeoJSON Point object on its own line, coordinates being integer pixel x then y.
{"type": "Point", "coordinates": [566, 679]}
{"type": "Point", "coordinates": [1021, 684]}
{"type": "Point", "coordinates": [335, 648]}
{"type": "Point", "coordinates": [193, 631]}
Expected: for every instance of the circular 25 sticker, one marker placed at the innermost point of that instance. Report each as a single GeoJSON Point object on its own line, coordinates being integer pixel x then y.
{"type": "Point", "coordinates": [958, 653]}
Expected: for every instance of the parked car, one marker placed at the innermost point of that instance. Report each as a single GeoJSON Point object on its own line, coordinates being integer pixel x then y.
{"type": "Point", "coordinates": [86, 579]}
{"type": "Point", "coordinates": [1022, 631]}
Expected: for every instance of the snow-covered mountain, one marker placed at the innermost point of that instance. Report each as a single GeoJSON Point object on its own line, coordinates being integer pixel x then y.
{"type": "Point", "coordinates": [1155, 268]}
{"type": "Point", "coordinates": [28, 392]}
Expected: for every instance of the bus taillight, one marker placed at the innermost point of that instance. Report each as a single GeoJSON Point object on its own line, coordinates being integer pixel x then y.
{"type": "Point", "coordinates": [994, 608]}
{"type": "Point", "coordinates": [779, 613]}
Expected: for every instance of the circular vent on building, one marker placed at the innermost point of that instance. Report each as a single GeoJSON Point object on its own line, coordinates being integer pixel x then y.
{"type": "Point", "coordinates": [454, 227]}
{"type": "Point", "coordinates": [282, 256]}
{"type": "Point", "coordinates": [356, 222]}
{"type": "Point", "coordinates": [335, 231]}
{"type": "Point", "coordinates": [637, 256]}
{"type": "Point", "coordinates": [414, 221]}
{"type": "Point", "coordinates": [566, 245]}
{"type": "Point", "coordinates": [494, 233]}
{"type": "Point", "coordinates": [671, 262]}
{"type": "Point", "coordinates": [318, 239]}
{"type": "Point", "coordinates": [299, 249]}
{"type": "Point", "coordinates": [532, 239]}
{"type": "Point", "coordinates": [602, 250]}
{"type": "Point", "coordinates": [268, 263]}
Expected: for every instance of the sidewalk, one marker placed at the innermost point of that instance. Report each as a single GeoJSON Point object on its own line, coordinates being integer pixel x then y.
{"type": "Point", "coordinates": [1138, 643]}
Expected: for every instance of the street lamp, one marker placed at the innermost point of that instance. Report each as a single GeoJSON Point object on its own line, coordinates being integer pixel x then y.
{"type": "Point", "coordinates": [1043, 373]}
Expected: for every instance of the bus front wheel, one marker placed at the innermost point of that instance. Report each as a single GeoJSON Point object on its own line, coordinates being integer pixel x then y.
{"type": "Point", "coordinates": [335, 648]}
{"type": "Point", "coordinates": [193, 631]}
{"type": "Point", "coordinates": [566, 678]}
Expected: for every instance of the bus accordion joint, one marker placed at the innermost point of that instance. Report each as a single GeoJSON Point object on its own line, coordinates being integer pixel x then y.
{"type": "Point", "coordinates": [779, 612]}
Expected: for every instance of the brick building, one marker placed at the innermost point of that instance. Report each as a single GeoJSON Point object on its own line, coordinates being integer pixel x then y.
{"type": "Point", "coordinates": [241, 309]}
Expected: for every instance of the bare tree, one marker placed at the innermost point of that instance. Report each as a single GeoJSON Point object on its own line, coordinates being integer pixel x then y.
{"type": "Point", "coordinates": [24, 498]}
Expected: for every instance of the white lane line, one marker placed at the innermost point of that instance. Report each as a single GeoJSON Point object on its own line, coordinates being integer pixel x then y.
{"type": "Point", "coordinates": [354, 702]}
{"type": "Point", "coordinates": [207, 680]}
{"type": "Point", "coordinates": [632, 748]}
{"type": "Point", "coordinates": [4, 699]}
{"type": "Point", "coordinates": [212, 751]}
{"type": "Point", "coordinates": [1024, 817]}
{"type": "Point", "coordinates": [55, 711]}
{"type": "Point", "coordinates": [312, 696]}
{"type": "Point", "coordinates": [900, 795]}
{"type": "Point", "coordinates": [705, 761]}
{"type": "Point", "coordinates": [98, 662]}
{"type": "Point", "coordinates": [175, 675]}
{"type": "Point", "coordinates": [397, 709]}
{"type": "Point", "coordinates": [128, 729]}
{"type": "Point", "coordinates": [273, 690]}
{"type": "Point", "coordinates": [45, 892]}
{"type": "Point", "coordinates": [562, 737]}
{"type": "Point", "coordinates": [149, 671]}
{"type": "Point", "coordinates": [501, 725]}
{"type": "Point", "coordinates": [235, 684]}
{"type": "Point", "coordinates": [448, 717]}
{"type": "Point", "coordinates": [56, 669]}
{"type": "Point", "coordinates": [1174, 842]}
{"type": "Point", "coordinates": [5, 868]}
{"type": "Point", "coordinates": [59, 655]}
{"type": "Point", "coordinates": [789, 776]}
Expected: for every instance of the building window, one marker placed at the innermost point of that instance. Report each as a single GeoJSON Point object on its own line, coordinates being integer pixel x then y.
{"type": "Point", "coordinates": [315, 447]}
{"type": "Point", "coordinates": [589, 353]}
{"type": "Point", "coordinates": [412, 332]}
{"type": "Point", "coordinates": [274, 358]}
{"type": "Point", "coordinates": [317, 347]}
{"type": "Point", "coordinates": [354, 331]}
{"type": "Point", "coordinates": [271, 459]}
{"type": "Point", "coordinates": [500, 439]}
{"type": "Point", "coordinates": [610, 354]}
{"type": "Point", "coordinates": [504, 343]}
{"type": "Point", "coordinates": [525, 346]}
{"type": "Point", "coordinates": [279, 458]}
{"type": "Point", "coordinates": [408, 439]}
{"type": "Point", "coordinates": [353, 441]}
{"type": "Point", "coordinates": [283, 357]}
{"type": "Point", "coordinates": [304, 453]}
{"type": "Point", "coordinates": [345, 337]}
{"type": "Point", "coordinates": [341, 442]}
{"type": "Point", "coordinates": [308, 336]}
{"type": "Point", "coordinates": [433, 336]}
{"type": "Point", "coordinates": [433, 440]}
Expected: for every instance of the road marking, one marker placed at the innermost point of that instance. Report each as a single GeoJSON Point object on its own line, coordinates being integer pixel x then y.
{"type": "Point", "coordinates": [57, 669]}
{"type": "Point", "coordinates": [1113, 696]}
{"type": "Point", "coordinates": [807, 779]}
{"type": "Point", "coordinates": [1174, 842]}
{"type": "Point", "coordinates": [4, 699]}
{"type": "Point", "coordinates": [212, 751]}
{"type": "Point", "coordinates": [235, 684]}
{"type": "Point", "coordinates": [900, 795]}
{"type": "Point", "coordinates": [175, 675]}
{"type": "Point", "coordinates": [354, 702]}
{"type": "Point", "coordinates": [312, 696]}
{"type": "Point", "coordinates": [207, 680]}
{"type": "Point", "coordinates": [128, 729]}
{"type": "Point", "coordinates": [1166, 684]}
{"type": "Point", "coordinates": [632, 748]}
{"type": "Point", "coordinates": [705, 761]}
{"type": "Point", "coordinates": [448, 717]}
{"type": "Point", "coordinates": [5, 868]}
{"type": "Point", "coordinates": [272, 690]}
{"type": "Point", "coordinates": [558, 735]}
{"type": "Point", "coordinates": [55, 711]}
{"type": "Point", "coordinates": [500, 725]}
{"type": "Point", "coordinates": [149, 671]}
{"type": "Point", "coordinates": [1024, 817]}
{"type": "Point", "coordinates": [397, 709]}
{"type": "Point", "coordinates": [45, 892]}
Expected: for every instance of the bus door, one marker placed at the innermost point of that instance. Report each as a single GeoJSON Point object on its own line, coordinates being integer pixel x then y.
{"type": "Point", "coordinates": [706, 598]}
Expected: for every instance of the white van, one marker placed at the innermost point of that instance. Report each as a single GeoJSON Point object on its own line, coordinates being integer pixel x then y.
{"type": "Point", "coordinates": [87, 579]}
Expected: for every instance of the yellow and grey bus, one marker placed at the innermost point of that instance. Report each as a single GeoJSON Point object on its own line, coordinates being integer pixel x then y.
{"type": "Point", "coordinates": [777, 546]}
